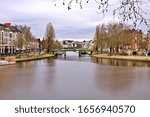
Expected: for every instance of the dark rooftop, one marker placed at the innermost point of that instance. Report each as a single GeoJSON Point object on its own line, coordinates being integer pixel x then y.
{"type": "Point", "coordinates": [11, 28]}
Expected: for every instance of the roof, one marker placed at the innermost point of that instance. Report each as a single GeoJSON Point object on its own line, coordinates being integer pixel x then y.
{"type": "Point", "coordinates": [11, 28]}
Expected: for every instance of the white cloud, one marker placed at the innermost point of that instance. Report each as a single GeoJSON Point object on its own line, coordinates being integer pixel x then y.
{"type": "Point", "coordinates": [75, 23]}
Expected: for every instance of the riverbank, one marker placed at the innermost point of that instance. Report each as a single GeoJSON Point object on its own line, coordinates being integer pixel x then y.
{"type": "Point", "coordinates": [119, 57]}
{"type": "Point", "coordinates": [35, 57]}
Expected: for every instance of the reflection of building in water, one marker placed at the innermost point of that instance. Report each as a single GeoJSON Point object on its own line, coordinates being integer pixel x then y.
{"type": "Point", "coordinates": [115, 62]}
{"type": "Point", "coordinates": [8, 34]}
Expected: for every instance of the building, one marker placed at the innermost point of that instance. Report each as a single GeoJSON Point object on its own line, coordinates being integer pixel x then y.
{"type": "Point", "coordinates": [68, 44]}
{"type": "Point", "coordinates": [147, 41]}
{"type": "Point", "coordinates": [34, 45]}
{"type": "Point", "coordinates": [88, 44]}
{"type": "Point", "coordinates": [77, 44]}
{"type": "Point", "coordinates": [8, 34]}
{"type": "Point", "coordinates": [134, 41]}
{"type": "Point", "coordinates": [136, 38]}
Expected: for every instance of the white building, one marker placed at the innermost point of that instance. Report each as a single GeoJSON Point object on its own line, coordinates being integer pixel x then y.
{"type": "Point", "coordinates": [8, 34]}
{"type": "Point", "coordinates": [88, 44]}
{"type": "Point", "coordinates": [68, 43]}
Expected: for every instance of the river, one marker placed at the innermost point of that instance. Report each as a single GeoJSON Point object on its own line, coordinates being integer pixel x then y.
{"type": "Point", "coordinates": [75, 77]}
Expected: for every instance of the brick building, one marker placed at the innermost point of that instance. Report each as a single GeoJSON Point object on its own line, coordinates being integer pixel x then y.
{"type": "Point", "coordinates": [134, 41]}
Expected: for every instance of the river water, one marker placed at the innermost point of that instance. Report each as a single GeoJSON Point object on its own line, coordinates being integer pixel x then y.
{"type": "Point", "coordinates": [75, 77]}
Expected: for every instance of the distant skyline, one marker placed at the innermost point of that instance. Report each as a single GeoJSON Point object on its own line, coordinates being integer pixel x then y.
{"type": "Point", "coordinates": [74, 24]}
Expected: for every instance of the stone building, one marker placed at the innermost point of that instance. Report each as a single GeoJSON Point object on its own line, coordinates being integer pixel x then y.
{"type": "Point", "coordinates": [134, 41]}
{"type": "Point", "coordinates": [8, 34]}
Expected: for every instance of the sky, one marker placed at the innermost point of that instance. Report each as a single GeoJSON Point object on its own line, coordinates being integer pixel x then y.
{"type": "Point", "coordinates": [73, 24]}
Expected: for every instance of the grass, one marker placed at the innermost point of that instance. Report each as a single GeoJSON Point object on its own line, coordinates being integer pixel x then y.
{"type": "Point", "coordinates": [34, 57]}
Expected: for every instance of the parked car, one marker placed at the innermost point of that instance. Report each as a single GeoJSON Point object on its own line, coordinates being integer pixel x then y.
{"type": "Point", "coordinates": [148, 53]}
{"type": "Point", "coordinates": [134, 53]}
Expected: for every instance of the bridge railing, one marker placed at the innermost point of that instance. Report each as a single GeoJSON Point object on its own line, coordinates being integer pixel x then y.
{"type": "Point", "coordinates": [74, 49]}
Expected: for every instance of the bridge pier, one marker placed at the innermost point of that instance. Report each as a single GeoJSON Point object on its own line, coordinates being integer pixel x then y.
{"type": "Point", "coordinates": [80, 50]}
{"type": "Point", "coordinates": [79, 53]}
{"type": "Point", "coordinates": [65, 54]}
{"type": "Point", "coordinates": [91, 52]}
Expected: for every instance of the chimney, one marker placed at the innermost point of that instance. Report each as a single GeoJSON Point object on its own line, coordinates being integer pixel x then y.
{"type": "Point", "coordinates": [7, 25]}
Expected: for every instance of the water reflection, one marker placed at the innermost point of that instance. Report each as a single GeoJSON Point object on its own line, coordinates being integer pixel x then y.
{"type": "Point", "coordinates": [74, 56]}
{"type": "Point", "coordinates": [75, 77]}
{"type": "Point", "coordinates": [114, 62]}
{"type": "Point", "coordinates": [110, 80]}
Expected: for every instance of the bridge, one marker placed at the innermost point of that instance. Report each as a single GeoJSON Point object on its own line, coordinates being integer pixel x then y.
{"type": "Point", "coordinates": [80, 50]}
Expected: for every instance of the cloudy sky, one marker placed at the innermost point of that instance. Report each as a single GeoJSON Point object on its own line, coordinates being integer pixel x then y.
{"type": "Point", "coordinates": [73, 24]}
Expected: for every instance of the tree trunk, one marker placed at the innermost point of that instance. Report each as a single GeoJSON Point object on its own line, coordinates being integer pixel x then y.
{"type": "Point", "coordinates": [110, 51]}
{"type": "Point", "coordinates": [117, 49]}
{"type": "Point", "coordinates": [101, 50]}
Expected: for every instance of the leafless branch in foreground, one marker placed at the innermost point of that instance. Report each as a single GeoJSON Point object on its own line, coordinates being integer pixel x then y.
{"type": "Point", "coordinates": [126, 10]}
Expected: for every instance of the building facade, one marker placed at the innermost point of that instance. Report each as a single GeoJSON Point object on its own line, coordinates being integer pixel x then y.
{"type": "Point", "coordinates": [134, 41]}
{"type": "Point", "coordinates": [68, 44]}
{"type": "Point", "coordinates": [88, 44]}
{"type": "Point", "coordinates": [8, 34]}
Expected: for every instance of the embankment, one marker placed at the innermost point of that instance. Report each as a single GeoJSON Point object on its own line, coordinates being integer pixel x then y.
{"type": "Point", "coordinates": [35, 57]}
{"type": "Point", "coordinates": [119, 57]}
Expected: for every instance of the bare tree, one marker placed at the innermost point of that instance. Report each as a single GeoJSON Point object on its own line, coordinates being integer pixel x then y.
{"type": "Point", "coordinates": [118, 36]}
{"type": "Point", "coordinates": [49, 38]}
{"type": "Point", "coordinates": [20, 41]}
{"type": "Point", "coordinates": [33, 44]}
{"type": "Point", "coordinates": [97, 38]}
{"type": "Point", "coordinates": [100, 37]}
{"type": "Point", "coordinates": [146, 42]}
{"type": "Point", "coordinates": [115, 31]}
{"type": "Point", "coordinates": [113, 36]}
{"type": "Point", "coordinates": [127, 10]}
{"type": "Point", "coordinates": [27, 36]}
{"type": "Point", "coordinates": [57, 45]}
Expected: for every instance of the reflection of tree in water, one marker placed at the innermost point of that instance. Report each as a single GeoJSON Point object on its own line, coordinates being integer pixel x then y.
{"type": "Point", "coordinates": [148, 64]}
{"type": "Point", "coordinates": [50, 61]}
{"type": "Point", "coordinates": [115, 79]}
{"type": "Point", "coordinates": [31, 64]}
{"type": "Point", "coordinates": [115, 62]}
{"type": "Point", "coordinates": [8, 69]}
{"type": "Point", "coordinates": [25, 64]}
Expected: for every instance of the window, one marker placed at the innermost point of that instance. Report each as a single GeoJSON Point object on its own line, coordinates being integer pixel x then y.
{"type": "Point", "coordinates": [10, 35]}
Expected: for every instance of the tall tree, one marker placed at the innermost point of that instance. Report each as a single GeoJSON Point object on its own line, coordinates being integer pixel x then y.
{"type": "Point", "coordinates": [145, 44]}
{"type": "Point", "coordinates": [49, 38]}
{"type": "Point", "coordinates": [20, 41]}
{"type": "Point", "coordinates": [97, 38]}
{"type": "Point", "coordinates": [115, 31]}
{"type": "Point", "coordinates": [100, 37]}
{"type": "Point", "coordinates": [27, 36]}
{"type": "Point", "coordinates": [112, 36]}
